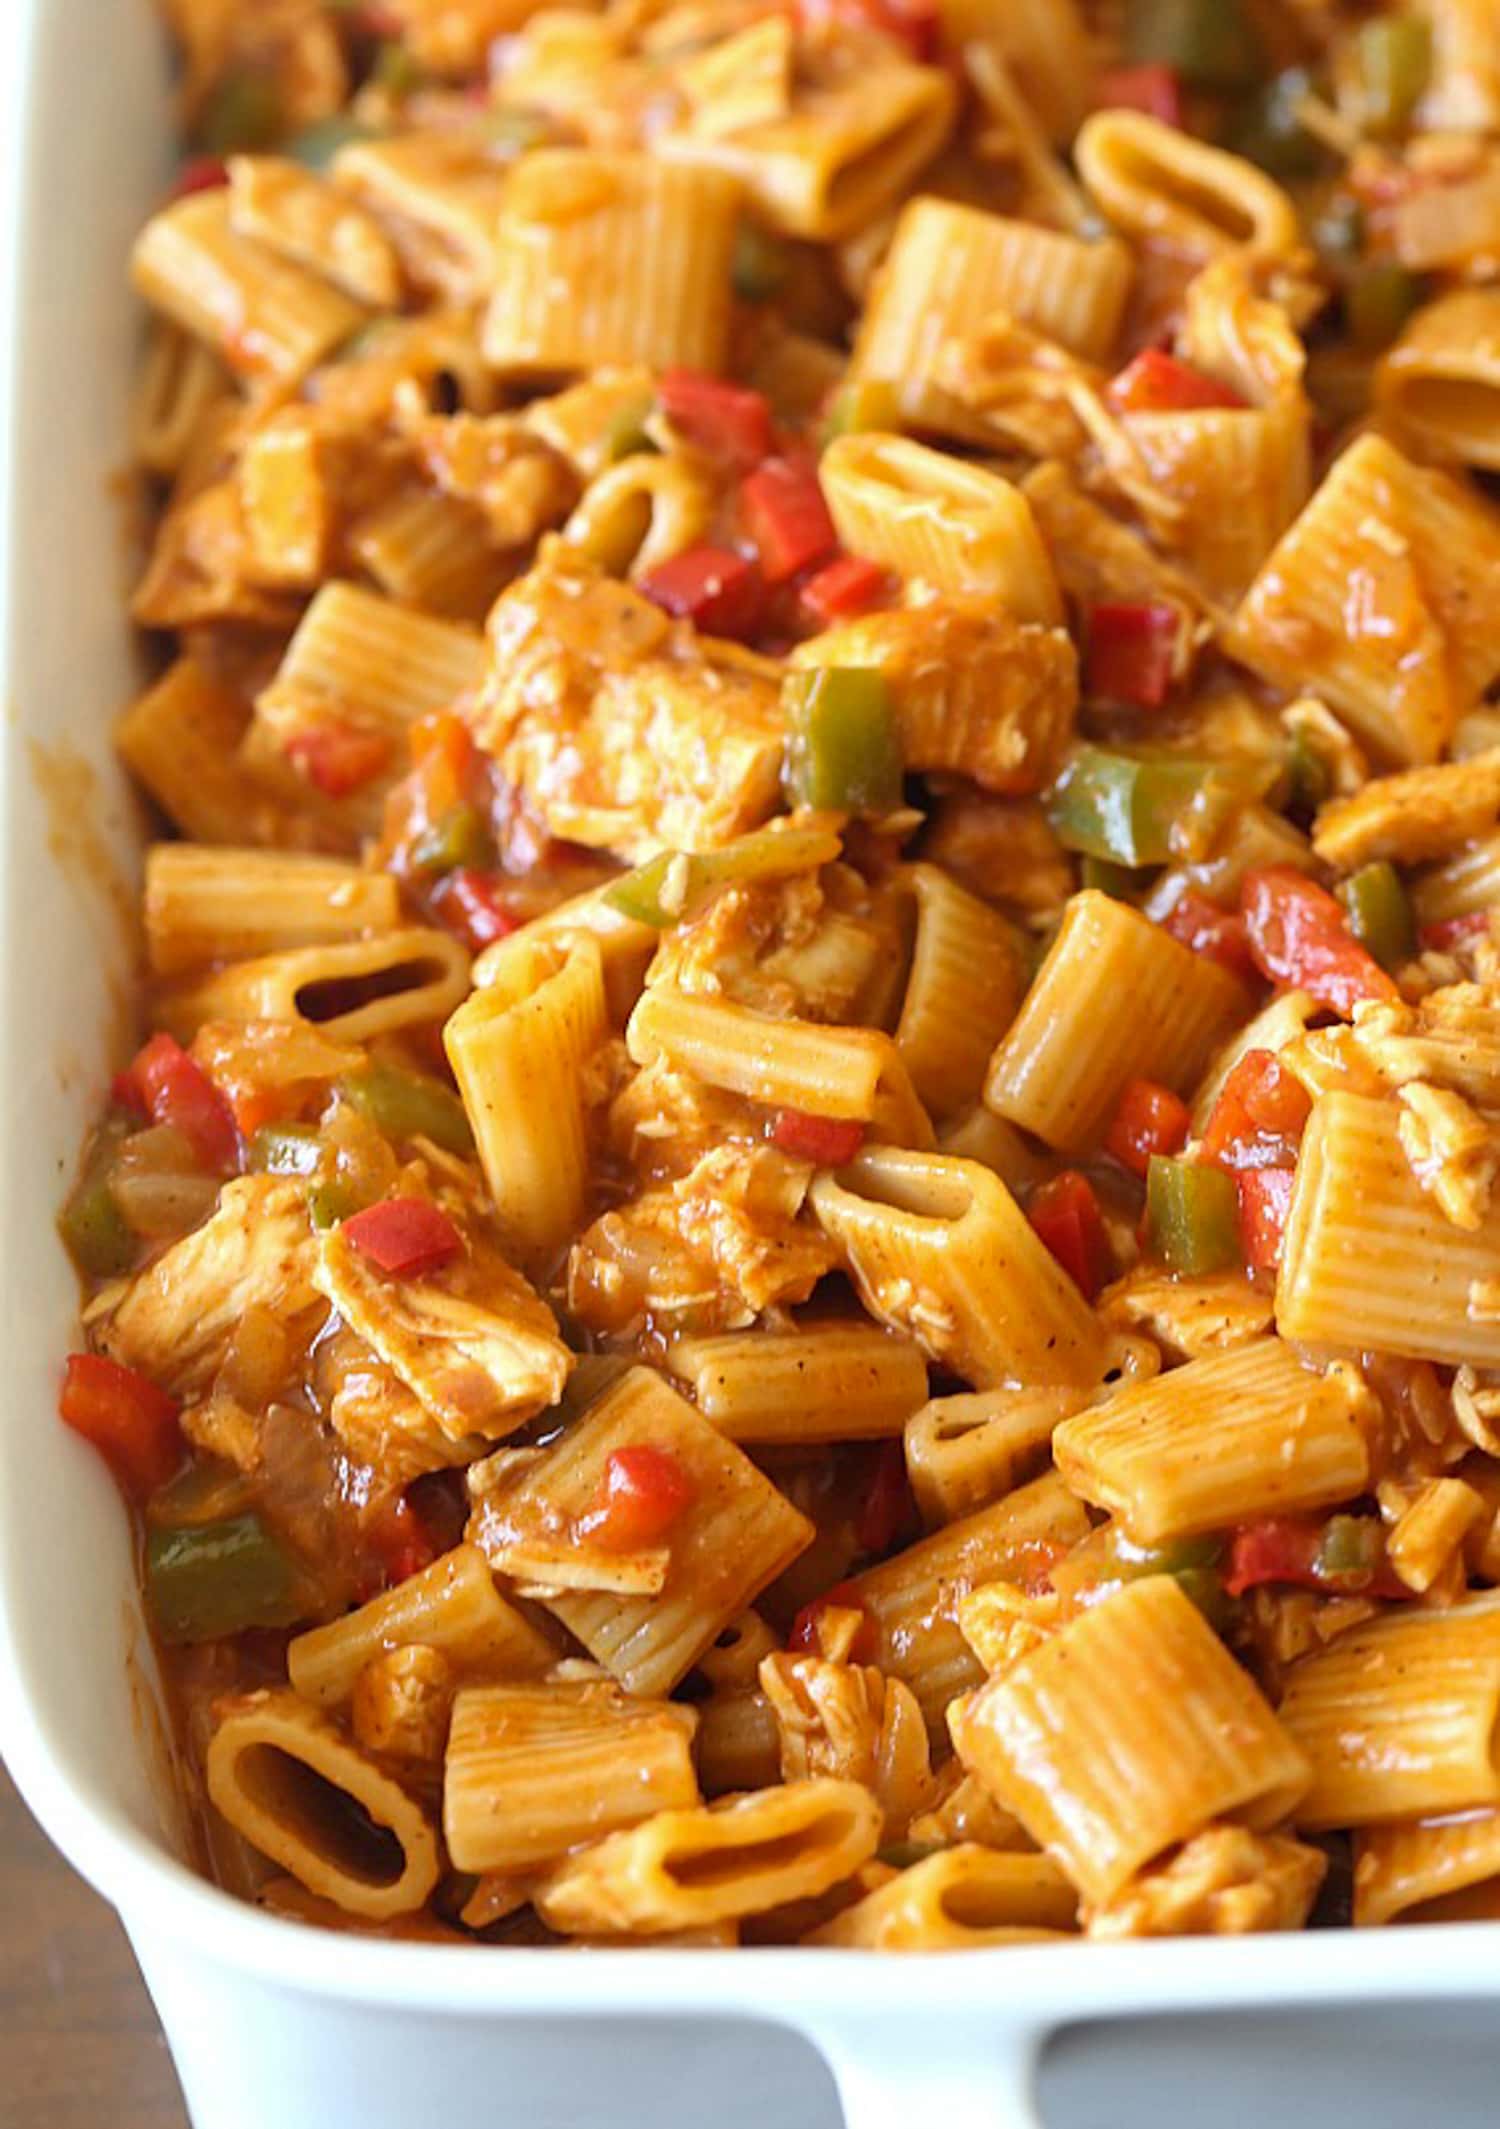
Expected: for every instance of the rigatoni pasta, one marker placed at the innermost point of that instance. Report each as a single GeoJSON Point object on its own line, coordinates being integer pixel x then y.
{"type": "Point", "coordinates": [805, 1248]}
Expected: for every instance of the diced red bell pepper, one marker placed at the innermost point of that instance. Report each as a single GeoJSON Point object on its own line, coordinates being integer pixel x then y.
{"type": "Point", "coordinates": [726, 421]}
{"type": "Point", "coordinates": [1150, 1119]}
{"type": "Point", "coordinates": [1259, 1115]}
{"type": "Point", "coordinates": [716, 589]}
{"type": "Point", "coordinates": [804, 1637]}
{"type": "Point", "coordinates": [787, 517]}
{"type": "Point", "coordinates": [1157, 383]}
{"type": "Point", "coordinates": [1290, 1549]}
{"type": "Point", "coordinates": [125, 1094]}
{"type": "Point", "coordinates": [338, 758]}
{"type": "Point", "coordinates": [400, 1539]}
{"type": "Point", "coordinates": [887, 1508]}
{"type": "Point", "coordinates": [915, 23]}
{"type": "Point", "coordinates": [644, 1492]}
{"type": "Point", "coordinates": [1133, 654]}
{"type": "Point", "coordinates": [1449, 932]}
{"type": "Point", "coordinates": [1065, 1214]}
{"type": "Point", "coordinates": [842, 588]}
{"type": "Point", "coordinates": [175, 1089]}
{"type": "Point", "coordinates": [1151, 87]}
{"type": "Point", "coordinates": [1299, 936]}
{"type": "Point", "coordinates": [1217, 933]}
{"type": "Point", "coordinates": [404, 1237]}
{"type": "Point", "coordinates": [1265, 1197]}
{"type": "Point", "coordinates": [200, 173]}
{"type": "Point", "coordinates": [467, 902]}
{"type": "Point", "coordinates": [830, 1141]}
{"type": "Point", "coordinates": [128, 1419]}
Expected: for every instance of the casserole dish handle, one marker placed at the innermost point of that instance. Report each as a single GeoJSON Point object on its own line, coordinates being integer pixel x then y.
{"type": "Point", "coordinates": [959, 2073]}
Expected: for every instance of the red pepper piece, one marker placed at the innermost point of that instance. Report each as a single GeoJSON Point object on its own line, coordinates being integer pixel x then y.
{"type": "Point", "coordinates": [887, 1508]}
{"type": "Point", "coordinates": [787, 517]}
{"type": "Point", "coordinates": [1065, 1214]}
{"type": "Point", "coordinates": [1156, 383]}
{"type": "Point", "coordinates": [914, 23]}
{"type": "Point", "coordinates": [1218, 933]}
{"type": "Point", "coordinates": [725, 421]}
{"type": "Point", "coordinates": [1151, 87]}
{"type": "Point", "coordinates": [1133, 654]}
{"type": "Point", "coordinates": [1288, 1549]}
{"type": "Point", "coordinates": [468, 903]}
{"type": "Point", "coordinates": [1449, 932]}
{"type": "Point", "coordinates": [174, 1089]}
{"type": "Point", "coordinates": [404, 1237]}
{"type": "Point", "coordinates": [338, 758]}
{"type": "Point", "coordinates": [1259, 1115]}
{"type": "Point", "coordinates": [804, 1638]}
{"type": "Point", "coordinates": [200, 173]}
{"type": "Point", "coordinates": [716, 589]}
{"type": "Point", "coordinates": [842, 588]}
{"type": "Point", "coordinates": [830, 1141]}
{"type": "Point", "coordinates": [643, 1493]}
{"type": "Point", "coordinates": [1150, 1119]}
{"type": "Point", "coordinates": [128, 1419]}
{"type": "Point", "coordinates": [1299, 936]}
{"type": "Point", "coordinates": [1265, 1196]}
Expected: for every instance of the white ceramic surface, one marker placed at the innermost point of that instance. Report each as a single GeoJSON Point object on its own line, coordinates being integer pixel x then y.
{"type": "Point", "coordinates": [270, 2022]}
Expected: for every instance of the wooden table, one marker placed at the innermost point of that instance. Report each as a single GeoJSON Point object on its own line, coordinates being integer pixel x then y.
{"type": "Point", "coordinates": [80, 2047]}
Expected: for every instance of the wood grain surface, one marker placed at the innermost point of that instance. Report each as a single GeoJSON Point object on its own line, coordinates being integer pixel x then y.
{"type": "Point", "coordinates": [80, 2047]}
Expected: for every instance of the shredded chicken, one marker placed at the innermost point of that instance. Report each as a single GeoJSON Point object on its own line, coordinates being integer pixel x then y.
{"type": "Point", "coordinates": [380, 1421]}
{"type": "Point", "coordinates": [1002, 849]}
{"type": "Point", "coordinates": [625, 730]}
{"type": "Point", "coordinates": [973, 690]}
{"type": "Point", "coordinates": [1423, 813]}
{"type": "Point", "coordinates": [1224, 1882]}
{"type": "Point", "coordinates": [1213, 1313]}
{"type": "Point", "coordinates": [256, 1249]}
{"type": "Point", "coordinates": [851, 1723]}
{"type": "Point", "coordinates": [1453, 1152]}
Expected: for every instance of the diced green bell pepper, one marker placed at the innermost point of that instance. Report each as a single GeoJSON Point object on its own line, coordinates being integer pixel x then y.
{"type": "Point", "coordinates": [1393, 59]}
{"type": "Point", "coordinates": [858, 407]}
{"type": "Point", "coordinates": [1350, 1550]}
{"type": "Point", "coordinates": [1268, 129]}
{"type": "Point", "coordinates": [1379, 913]}
{"type": "Point", "coordinates": [760, 265]}
{"type": "Point", "coordinates": [331, 1201]}
{"type": "Point", "coordinates": [206, 1580]}
{"type": "Point", "coordinates": [459, 837]}
{"type": "Point", "coordinates": [627, 433]}
{"type": "Point", "coordinates": [1378, 300]}
{"type": "Point", "coordinates": [242, 114]}
{"type": "Point", "coordinates": [410, 1105]}
{"type": "Point", "coordinates": [1213, 44]}
{"type": "Point", "coordinates": [1339, 231]}
{"type": "Point", "coordinates": [843, 755]}
{"type": "Point", "coordinates": [676, 883]}
{"type": "Point", "coordinates": [1308, 780]}
{"type": "Point", "coordinates": [1108, 877]}
{"type": "Point", "coordinates": [1192, 1215]}
{"type": "Point", "coordinates": [96, 1232]}
{"type": "Point", "coordinates": [1138, 810]}
{"type": "Point", "coordinates": [316, 146]}
{"type": "Point", "coordinates": [395, 69]}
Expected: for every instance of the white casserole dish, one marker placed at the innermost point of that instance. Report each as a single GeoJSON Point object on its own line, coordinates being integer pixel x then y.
{"type": "Point", "coordinates": [269, 2021]}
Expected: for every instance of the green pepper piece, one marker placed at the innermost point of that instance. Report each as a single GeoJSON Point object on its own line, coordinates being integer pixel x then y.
{"type": "Point", "coordinates": [1192, 1215]}
{"type": "Point", "coordinates": [458, 837]}
{"type": "Point", "coordinates": [1308, 779]}
{"type": "Point", "coordinates": [1379, 913]}
{"type": "Point", "coordinates": [1213, 44]}
{"type": "Point", "coordinates": [1176, 1557]}
{"type": "Point", "coordinates": [1269, 132]}
{"type": "Point", "coordinates": [761, 263]}
{"type": "Point", "coordinates": [1339, 231]}
{"type": "Point", "coordinates": [242, 114]}
{"type": "Point", "coordinates": [1349, 1550]}
{"type": "Point", "coordinates": [1203, 1588]}
{"type": "Point", "coordinates": [842, 750]}
{"type": "Point", "coordinates": [855, 408]}
{"type": "Point", "coordinates": [1378, 300]}
{"type": "Point", "coordinates": [1393, 59]}
{"type": "Point", "coordinates": [410, 1105]}
{"type": "Point", "coordinates": [1136, 810]}
{"type": "Point", "coordinates": [206, 1580]}
{"type": "Point", "coordinates": [316, 146]}
{"type": "Point", "coordinates": [95, 1231]}
{"type": "Point", "coordinates": [331, 1201]}
{"type": "Point", "coordinates": [627, 432]}
{"type": "Point", "coordinates": [395, 69]}
{"type": "Point", "coordinates": [1108, 877]}
{"type": "Point", "coordinates": [286, 1149]}
{"type": "Point", "coordinates": [676, 883]}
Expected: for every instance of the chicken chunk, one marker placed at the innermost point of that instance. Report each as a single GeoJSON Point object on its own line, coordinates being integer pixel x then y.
{"type": "Point", "coordinates": [380, 1421]}
{"type": "Point", "coordinates": [850, 1722]}
{"type": "Point", "coordinates": [973, 690]}
{"type": "Point", "coordinates": [256, 1249]}
{"type": "Point", "coordinates": [1423, 813]}
{"type": "Point", "coordinates": [1222, 1883]}
{"type": "Point", "coordinates": [472, 1342]}
{"type": "Point", "coordinates": [625, 730]}
{"type": "Point", "coordinates": [1214, 1313]}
